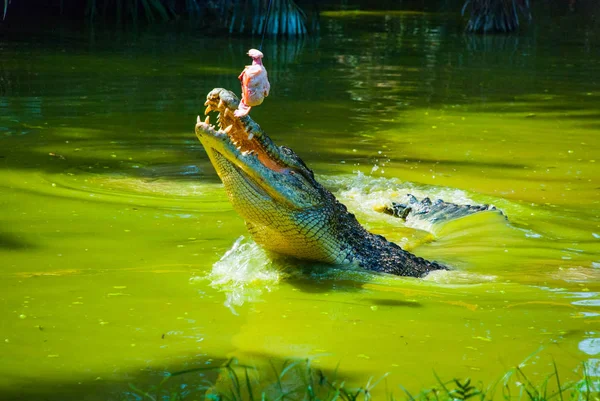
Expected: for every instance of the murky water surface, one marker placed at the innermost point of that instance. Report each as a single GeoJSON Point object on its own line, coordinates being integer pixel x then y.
{"type": "Point", "coordinates": [122, 258]}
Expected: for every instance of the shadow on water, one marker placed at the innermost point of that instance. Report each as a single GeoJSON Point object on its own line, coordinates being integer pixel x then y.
{"type": "Point", "coordinates": [130, 386]}
{"type": "Point", "coordinates": [395, 303]}
{"type": "Point", "coordinates": [507, 166]}
{"type": "Point", "coordinates": [13, 242]}
{"type": "Point", "coordinates": [190, 380]}
{"type": "Point", "coordinates": [307, 283]}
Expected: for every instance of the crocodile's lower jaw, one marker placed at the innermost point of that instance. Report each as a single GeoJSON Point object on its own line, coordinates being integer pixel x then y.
{"type": "Point", "coordinates": [289, 243]}
{"type": "Point", "coordinates": [272, 225]}
{"type": "Point", "coordinates": [227, 168]}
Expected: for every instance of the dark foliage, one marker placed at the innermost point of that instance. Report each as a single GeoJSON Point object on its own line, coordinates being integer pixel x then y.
{"type": "Point", "coordinates": [488, 16]}
{"type": "Point", "coordinates": [235, 16]}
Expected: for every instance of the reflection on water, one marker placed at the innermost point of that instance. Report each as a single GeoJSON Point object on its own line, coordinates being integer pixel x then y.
{"type": "Point", "coordinates": [590, 346]}
{"type": "Point", "coordinates": [109, 204]}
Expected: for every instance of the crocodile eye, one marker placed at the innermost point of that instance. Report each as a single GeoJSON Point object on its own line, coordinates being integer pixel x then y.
{"type": "Point", "coordinates": [304, 170]}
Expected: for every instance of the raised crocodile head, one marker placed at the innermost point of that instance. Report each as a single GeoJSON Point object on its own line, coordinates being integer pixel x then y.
{"type": "Point", "coordinates": [286, 210]}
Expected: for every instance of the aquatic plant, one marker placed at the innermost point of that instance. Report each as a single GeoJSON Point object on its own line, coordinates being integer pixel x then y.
{"type": "Point", "coordinates": [284, 18]}
{"type": "Point", "coordinates": [276, 17]}
{"type": "Point", "coordinates": [299, 380]}
{"type": "Point", "coordinates": [495, 15]}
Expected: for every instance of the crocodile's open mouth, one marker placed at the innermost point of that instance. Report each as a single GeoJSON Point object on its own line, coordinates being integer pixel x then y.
{"type": "Point", "coordinates": [240, 150]}
{"type": "Point", "coordinates": [236, 138]}
{"type": "Point", "coordinates": [238, 146]}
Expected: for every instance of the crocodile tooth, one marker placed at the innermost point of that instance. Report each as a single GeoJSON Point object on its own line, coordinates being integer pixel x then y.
{"type": "Point", "coordinates": [207, 102]}
{"type": "Point", "coordinates": [208, 109]}
{"type": "Point", "coordinates": [206, 120]}
{"type": "Point", "coordinates": [221, 104]}
{"type": "Point", "coordinates": [228, 129]}
{"type": "Point", "coordinates": [198, 120]}
{"type": "Point", "coordinates": [226, 112]}
{"type": "Point", "coordinates": [250, 136]}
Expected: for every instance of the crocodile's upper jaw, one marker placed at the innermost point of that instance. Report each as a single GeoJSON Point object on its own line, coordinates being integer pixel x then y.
{"type": "Point", "coordinates": [285, 209]}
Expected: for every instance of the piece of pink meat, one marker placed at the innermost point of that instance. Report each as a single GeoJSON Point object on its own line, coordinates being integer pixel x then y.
{"type": "Point", "coordinates": [255, 84]}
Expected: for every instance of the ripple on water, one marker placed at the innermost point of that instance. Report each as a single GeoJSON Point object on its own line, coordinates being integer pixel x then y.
{"type": "Point", "coordinates": [585, 298]}
{"type": "Point", "coordinates": [587, 302]}
{"type": "Point", "coordinates": [454, 277]}
{"type": "Point", "coordinates": [167, 186]}
{"type": "Point", "coordinates": [245, 271]}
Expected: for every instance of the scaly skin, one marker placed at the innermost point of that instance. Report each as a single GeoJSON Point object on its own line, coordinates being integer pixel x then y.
{"type": "Point", "coordinates": [286, 210]}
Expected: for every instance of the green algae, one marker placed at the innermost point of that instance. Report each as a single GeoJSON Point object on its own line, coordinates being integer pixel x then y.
{"type": "Point", "coordinates": [112, 218]}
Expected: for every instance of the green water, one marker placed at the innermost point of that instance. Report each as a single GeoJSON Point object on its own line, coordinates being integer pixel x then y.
{"type": "Point", "coordinates": [118, 248]}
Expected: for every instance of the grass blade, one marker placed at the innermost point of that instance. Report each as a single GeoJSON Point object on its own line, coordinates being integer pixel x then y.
{"type": "Point", "coordinates": [248, 385]}
{"type": "Point", "coordinates": [560, 390]}
{"type": "Point", "coordinates": [141, 392]}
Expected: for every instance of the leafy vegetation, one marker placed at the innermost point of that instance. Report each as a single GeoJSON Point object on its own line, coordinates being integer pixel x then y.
{"type": "Point", "coordinates": [495, 15]}
{"type": "Point", "coordinates": [285, 17]}
{"type": "Point", "coordinates": [277, 17]}
{"type": "Point", "coordinates": [298, 380]}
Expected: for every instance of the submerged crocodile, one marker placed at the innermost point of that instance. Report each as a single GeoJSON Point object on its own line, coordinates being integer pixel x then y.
{"type": "Point", "coordinates": [287, 211]}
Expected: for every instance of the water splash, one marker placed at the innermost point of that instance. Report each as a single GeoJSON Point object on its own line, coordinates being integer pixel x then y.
{"type": "Point", "coordinates": [246, 271]}
{"type": "Point", "coordinates": [366, 194]}
{"type": "Point", "coordinates": [243, 273]}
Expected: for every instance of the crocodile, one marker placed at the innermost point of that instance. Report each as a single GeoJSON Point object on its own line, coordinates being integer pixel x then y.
{"type": "Point", "coordinates": [286, 210]}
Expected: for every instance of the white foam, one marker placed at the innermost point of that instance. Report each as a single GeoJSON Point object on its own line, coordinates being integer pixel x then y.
{"type": "Point", "coordinates": [455, 277]}
{"type": "Point", "coordinates": [243, 273]}
{"type": "Point", "coordinates": [364, 194]}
